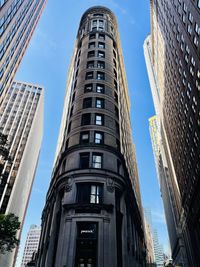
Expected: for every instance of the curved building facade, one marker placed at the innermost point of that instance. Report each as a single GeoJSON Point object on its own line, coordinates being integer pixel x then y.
{"type": "Point", "coordinates": [92, 215]}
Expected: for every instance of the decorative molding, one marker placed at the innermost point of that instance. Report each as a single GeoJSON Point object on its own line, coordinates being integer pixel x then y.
{"type": "Point", "coordinates": [110, 184]}
{"type": "Point", "coordinates": [69, 183]}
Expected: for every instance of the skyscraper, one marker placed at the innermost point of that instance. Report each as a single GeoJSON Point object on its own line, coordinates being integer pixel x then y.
{"type": "Point", "coordinates": [21, 119]}
{"type": "Point", "coordinates": [18, 21]}
{"type": "Point", "coordinates": [157, 247]}
{"type": "Point", "coordinates": [31, 245]}
{"type": "Point", "coordinates": [93, 213]}
{"type": "Point", "coordinates": [175, 64]}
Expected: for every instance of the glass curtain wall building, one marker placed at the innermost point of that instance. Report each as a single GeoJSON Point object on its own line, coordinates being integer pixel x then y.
{"type": "Point", "coordinates": [18, 20]}
{"type": "Point", "coordinates": [93, 213]}
{"type": "Point", "coordinates": [21, 120]}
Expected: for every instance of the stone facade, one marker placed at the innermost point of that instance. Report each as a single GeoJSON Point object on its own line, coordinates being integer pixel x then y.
{"type": "Point", "coordinates": [92, 215]}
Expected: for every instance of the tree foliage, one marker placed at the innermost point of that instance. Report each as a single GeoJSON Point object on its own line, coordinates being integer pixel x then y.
{"type": "Point", "coordinates": [9, 224]}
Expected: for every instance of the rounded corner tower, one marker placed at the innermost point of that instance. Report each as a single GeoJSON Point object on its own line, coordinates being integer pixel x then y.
{"type": "Point", "coordinates": [93, 215]}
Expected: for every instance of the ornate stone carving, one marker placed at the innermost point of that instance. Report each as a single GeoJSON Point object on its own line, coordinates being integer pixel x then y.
{"type": "Point", "coordinates": [110, 184]}
{"type": "Point", "coordinates": [68, 186]}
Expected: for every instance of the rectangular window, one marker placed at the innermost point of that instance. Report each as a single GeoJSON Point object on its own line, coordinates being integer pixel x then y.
{"type": "Point", "coordinates": [92, 36]}
{"type": "Point", "coordinates": [100, 75]}
{"type": "Point", "coordinates": [97, 160]}
{"type": "Point", "coordinates": [97, 15]}
{"type": "Point", "coordinates": [101, 64]}
{"type": "Point", "coordinates": [88, 88]}
{"type": "Point", "coordinates": [101, 36]}
{"type": "Point", "coordinates": [99, 103]}
{"type": "Point", "coordinates": [84, 160]}
{"type": "Point", "coordinates": [95, 194]}
{"type": "Point", "coordinates": [99, 119]}
{"type": "Point", "coordinates": [84, 137]}
{"type": "Point", "coordinates": [90, 64]}
{"type": "Point", "coordinates": [98, 138]}
{"type": "Point", "coordinates": [89, 75]}
{"type": "Point", "coordinates": [101, 45]}
{"type": "Point", "coordinates": [91, 53]}
{"type": "Point", "coordinates": [100, 88]}
{"type": "Point", "coordinates": [101, 54]}
{"type": "Point", "coordinates": [86, 118]}
{"type": "Point", "coordinates": [87, 102]}
{"type": "Point", "coordinates": [91, 45]}
{"type": "Point", "coordinates": [94, 22]}
{"type": "Point", "coordinates": [89, 193]}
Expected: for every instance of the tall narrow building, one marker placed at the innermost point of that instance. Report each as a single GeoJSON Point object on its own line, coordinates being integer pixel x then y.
{"type": "Point", "coordinates": [17, 23]}
{"type": "Point", "coordinates": [93, 213]}
{"type": "Point", "coordinates": [31, 245]}
{"type": "Point", "coordinates": [175, 65]}
{"type": "Point", "coordinates": [21, 120]}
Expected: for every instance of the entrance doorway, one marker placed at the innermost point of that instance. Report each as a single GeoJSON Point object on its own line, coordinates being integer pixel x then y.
{"type": "Point", "coordinates": [86, 245]}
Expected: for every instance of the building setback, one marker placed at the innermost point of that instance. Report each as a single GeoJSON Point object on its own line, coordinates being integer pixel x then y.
{"type": "Point", "coordinates": [93, 213]}
{"type": "Point", "coordinates": [175, 48]}
{"type": "Point", "coordinates": [31, 245]}
{"type": "Point", "coordinates": [21, 119]}
{"type": "Point", "coordinates": [17, 23]}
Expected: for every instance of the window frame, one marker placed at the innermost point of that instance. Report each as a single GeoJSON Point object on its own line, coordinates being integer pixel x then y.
{"type": "Point", "coordinates": [99, 141]}
{"type": "Point", "coordinates": [96, 162]}
{"type": "Point", "coordinates": [99, 122]}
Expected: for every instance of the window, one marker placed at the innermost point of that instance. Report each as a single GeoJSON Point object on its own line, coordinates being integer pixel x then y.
{"type": "Point", "coordinates": [97, 160]}
{"type": "Point", "coordinates": [99, 119]}
{"type": "Point", "coordinates": [117, 127]}
{"type": "Point", "coordinates": [101, 54]}
{"type": "Point", "coordinates": [73, 97]}
{"type": "Point", "coordinates": [98, 138]}
{"type": "Point", "coordinates": [115, 84]}
{"type": "Point", "coordinates": [100, 88]}
{"type": "Point", "coordinates": [90, 64]}
{"type": "Point", "coordinates": [91, 53]}
{"type": "Point", "coordinates": [97, 15]}
{"type": "Point", "coordinates": [101, 23]}
{"type": "Point", "coordinates": [86, 118]}
{"type": "Point", "coordinates": [91, 45]}
{"type": "Point", "coordinates": [196, 42]}
{"type": "Point", "coordinates": [69, 127]}
{"type": "Point", "coordinates": [114, 62]}
{"type": "Point", "coordinates": [101, 64]}
{"type": "Point", "coordinates": [99, 103]}
{"type": "Point", "coordinates": [92, 36]}
{"type": "Point", "coordinates": [84, 160]}
{"type": "Point", "coordinates": [114, 53]}
{"type": "Point", "coordinates": [89, 193]}
{"type": "Point", "coordinates": [88, 88]}
{"type": "Point", "coordinates": [87, 102]}
{"type": "Point", "coordinates": [94, 22]}
{"type": "Point", "coordinates": [84, 137]}
{"type": "Point", "coordinates": [96, 194]}
{"type": "Point", "coordinates": [89, 75]}
{"type": "Point", "coordinates": [101, 36]}
{"type": "Point", "coordinates": [197, 29]}
{"type": "Point", "coordinates": [198, 3]}
{"type": "Point", "coordinates": [101, 45]}
{"type": "Point", "coordinates": [118, 144]}
{"type": "Point", "coordinates": [100, 75]}
{"type": "Point", "coordinates": [115, 73]}
{"type": "Point", "coordinates": [117, 112]}
{"type": "Point", "coordinates": [116, 97]}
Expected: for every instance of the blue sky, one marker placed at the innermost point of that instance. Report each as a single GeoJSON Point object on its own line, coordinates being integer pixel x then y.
{"type": "Point", "coordinates": [46, 63]}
